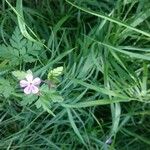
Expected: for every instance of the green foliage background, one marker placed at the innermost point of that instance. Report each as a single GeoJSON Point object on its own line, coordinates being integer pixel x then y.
{"type": "Point", "coordinates": [104, 47]}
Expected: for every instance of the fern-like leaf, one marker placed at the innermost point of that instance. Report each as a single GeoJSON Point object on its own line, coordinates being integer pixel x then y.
{"type": "Point", "coordinates": [20, 50]}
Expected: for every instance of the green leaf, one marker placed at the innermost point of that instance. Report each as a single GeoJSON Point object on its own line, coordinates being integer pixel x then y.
{"type": "Point", "coordinates": [20, 49]}
{"type": "Point", "coordinates": [29, 99]}
{"type": "Point", "coordinates": [55, 96]}
{"type": "Point", "coordinates": [19, 74]}
{"type": "Point", "coordinates": [51, 94]}
{"type": "Point", "coordinates": [45, 104]}
{"type": "Point", "coordinates": [55, 72]}
{"type": "Point", "coordinates": [5, 88]}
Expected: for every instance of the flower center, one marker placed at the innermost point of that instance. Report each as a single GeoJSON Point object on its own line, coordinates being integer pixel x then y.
{"type": "Point", "coordinates": [30, 83]}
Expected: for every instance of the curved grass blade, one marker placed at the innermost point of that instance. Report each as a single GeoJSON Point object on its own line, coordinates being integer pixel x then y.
{"type": "Point", "coordinates": [143, 139]}
{"type": "Point", "coordinates": [138, 20]}
{"type": "Point", "coordinates": [110, 19]}
{"type": "Point", "coordinates": [21, 22]}
{"type": "Point", "coordinates": [130, 54]}
{"type": "Point", "coordinates": [116, 112]}
{"type": "Point", "coordinates": [51, 62]}
{"type": "Point", "coordinates": [22, 25]}
{"type": "Point", "coordinates": [98, 89]}
{"type": "Point", "coordinates": [74, 125]}
{"type": "Point", "coordinates": [95, 103]}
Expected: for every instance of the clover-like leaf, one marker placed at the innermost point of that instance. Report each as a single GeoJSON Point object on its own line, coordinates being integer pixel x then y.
{"type": "Point", "coordinates": [55, 72]}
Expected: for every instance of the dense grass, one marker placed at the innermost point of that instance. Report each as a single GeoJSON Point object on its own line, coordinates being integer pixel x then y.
{"type": "Point", "coordinates": [104, 47]}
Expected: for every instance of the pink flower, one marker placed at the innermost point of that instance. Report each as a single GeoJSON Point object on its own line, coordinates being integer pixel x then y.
{"type": "Point", "coordinates": [30, 85]}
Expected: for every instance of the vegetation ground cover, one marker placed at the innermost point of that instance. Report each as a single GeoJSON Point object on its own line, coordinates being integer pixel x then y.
{"type": "Point", "coordinates": [92, 57]}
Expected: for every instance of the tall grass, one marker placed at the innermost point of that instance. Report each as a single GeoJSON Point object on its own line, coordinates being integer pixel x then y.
{"type": "Point", "coordinates": [104, 49]}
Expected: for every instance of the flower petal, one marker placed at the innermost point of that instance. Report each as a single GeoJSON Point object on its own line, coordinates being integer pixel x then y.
{"type": "Point", "coordinates": [29, 77]}
{"type": "Point", "coordinates": [28, 89]}
{"type": "Point", "coordinates": [34, 89]}
{"type": "Point", "coordinates": [36, 81]}
{"type": "Point", "coordinates": [23, 83]}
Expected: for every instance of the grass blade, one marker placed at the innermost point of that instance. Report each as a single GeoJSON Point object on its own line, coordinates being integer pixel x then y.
{"type": "Point", "coordinates": [74, 126]}
{"type": "Point", "coordinates": [110, 19]}
{"type": "Point", "coordinates": [94, 103]}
